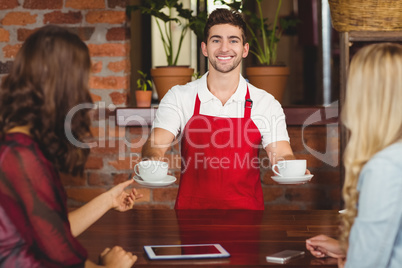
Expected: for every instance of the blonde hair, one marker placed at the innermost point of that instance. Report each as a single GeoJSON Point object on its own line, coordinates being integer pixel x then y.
{"type": "Point", "coordinates": [372, 113]}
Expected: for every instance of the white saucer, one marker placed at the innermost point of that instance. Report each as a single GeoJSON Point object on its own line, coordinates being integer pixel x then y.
{"type": "Point", "coordinates": [292, 180]}
{"type": "Point", "coordinates": [164, 182]}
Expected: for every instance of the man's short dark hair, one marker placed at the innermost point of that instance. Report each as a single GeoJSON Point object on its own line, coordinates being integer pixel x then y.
{"type": "Point", "coordinates": [225, 16]}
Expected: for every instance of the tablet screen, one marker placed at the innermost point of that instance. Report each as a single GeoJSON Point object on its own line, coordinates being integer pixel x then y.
{"type": "Point", "coordinates": [186, 251]}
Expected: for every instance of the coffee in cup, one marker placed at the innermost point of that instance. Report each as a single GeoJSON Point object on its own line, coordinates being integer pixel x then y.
{"type": "Point", "coordinates": [290, 168]}
{"type": "Point", "coordinates": [151, 170]}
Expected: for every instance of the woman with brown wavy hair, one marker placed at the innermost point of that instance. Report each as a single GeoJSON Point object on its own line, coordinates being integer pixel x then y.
{"type": "Point", "coordinates": [49, 77]}
{"type": "Point", "coordinates": [372, 222]}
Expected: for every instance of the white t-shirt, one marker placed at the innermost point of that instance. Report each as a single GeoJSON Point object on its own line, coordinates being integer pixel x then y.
{"type": "Point", "coordinates": [177, 107]}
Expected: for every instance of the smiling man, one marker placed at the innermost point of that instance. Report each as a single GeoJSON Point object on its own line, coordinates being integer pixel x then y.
{"type": "Point", "coordinates": [221, 122]}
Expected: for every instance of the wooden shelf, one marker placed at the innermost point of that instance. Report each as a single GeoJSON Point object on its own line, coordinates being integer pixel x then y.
{"type": "Point", "coordinates": [365, 36]}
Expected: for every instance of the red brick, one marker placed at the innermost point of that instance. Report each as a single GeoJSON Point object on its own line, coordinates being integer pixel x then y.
{"type": "Point", "coordinates": [109, 50]}
{"type": "Point", "coordinates": [4, 35]}
{"type": "Point", "coordinates": [119, 66]}
{"type": "Point", "coordinates": [19, 18]}
{"type": "Point", "coordinates": [117, 3]}
{"type": "Point", "coordinates": [116, 132]}
{"type": "Point", "coordinates": [94, 162]}
{"type": "Point", "coordinates": [23, 33]}
{"type": "Point", "coordinates": [110, 82]}
{"type": "Point", "coordinates": [121, 177]}
{"type": "Point", "coordinates": [140, 131]}
{"type": "Point", "coordinates": [118, 34]}
{"type": "Point", "coordinates": [107, 150]}
{"type": "Point", "coordinates": [69, 180]}
{"type": "Point", "coordinates": [8, 4]}
{"type": "Point", "coordinates": [95, 98]}
{"type": "Point", "coordinates": [40, 4]}
{"type": "Point", "coordinates": [98, 132]}
{"type": "Point", "coordinates": [85, 4]}
{"type": "Point", "coordinates": [96, 67]}
{"type": "Point", "coordinates": [84, 194]}
{"type": "Point", "coordinates": [11, 50]}
{"type": "Point", "coordinates": [125, 164]}
{"type": "Point", "coordinates": [99, 179]}
{"type": "Point", "coordinates": [59, 17]}
{"type": "Point", "coordinates": [165, 194]}
{"type": "Point", "coordinates": [110, 17]}
{"type": "Point", "coordinates": [84, 33]}
{"type": "Point", "coordinates": [118, 98]}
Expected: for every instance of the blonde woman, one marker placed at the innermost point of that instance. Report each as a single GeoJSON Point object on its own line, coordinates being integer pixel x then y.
{"type": "Point", "coordinates": [372, 225]}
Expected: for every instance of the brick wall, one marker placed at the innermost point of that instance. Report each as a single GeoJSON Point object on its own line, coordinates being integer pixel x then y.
{"type": "Point", "coordinates": [102, 25]}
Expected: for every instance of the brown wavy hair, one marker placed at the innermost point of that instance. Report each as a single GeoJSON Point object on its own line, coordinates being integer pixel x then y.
{"type": "Point", "coordinates": [372, 113]}
{"type": "Point", "coordinates": [225, 16]}
{"type": "Point", "coordinates": [49, 77]}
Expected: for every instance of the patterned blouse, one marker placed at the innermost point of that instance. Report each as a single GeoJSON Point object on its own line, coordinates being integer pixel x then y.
{"type": "Point", "coordinates": [34, 226]}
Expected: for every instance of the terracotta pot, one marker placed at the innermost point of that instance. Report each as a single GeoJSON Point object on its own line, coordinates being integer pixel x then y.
{"type": "Point", "coordinates": [143, 98]}
{"type": "Point", "coordinates": [272, 79]}
{"type": "Point", "coordinates": [166, 77]}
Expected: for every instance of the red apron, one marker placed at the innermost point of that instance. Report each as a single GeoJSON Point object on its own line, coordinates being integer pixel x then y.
{"type": "Point", "coordinates": [220, 164]}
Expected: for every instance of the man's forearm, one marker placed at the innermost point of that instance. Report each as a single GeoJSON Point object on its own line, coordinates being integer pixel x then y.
{"type": "Point", "coordinates": [157, 144]}
{"type": "Point", "coordinates": [152, 152]}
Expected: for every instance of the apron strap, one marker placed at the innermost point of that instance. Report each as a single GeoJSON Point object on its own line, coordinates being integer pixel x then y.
{"type": "Point", "coordinates": [197, 105]}
{"type": "Point", "coordinates": [248, 104]}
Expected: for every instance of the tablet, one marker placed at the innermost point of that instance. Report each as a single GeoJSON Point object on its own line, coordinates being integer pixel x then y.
{"type": "Point", "coordinates": [195, 251]}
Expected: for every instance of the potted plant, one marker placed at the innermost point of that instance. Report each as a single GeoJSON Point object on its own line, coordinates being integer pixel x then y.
{"type": "Point", "coordinates": [143, 94]}
{"type": "Point", "coordinates": [264, 38]}
{"type": "Point", "coordinates": [169, 13]}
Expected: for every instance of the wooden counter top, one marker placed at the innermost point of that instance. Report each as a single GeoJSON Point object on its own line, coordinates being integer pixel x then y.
{"type": "Point", "coordinates": [249, 236]}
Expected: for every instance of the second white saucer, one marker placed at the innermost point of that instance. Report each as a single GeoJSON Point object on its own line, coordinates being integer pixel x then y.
{"type": "Point", "coordinates": [164, 182]}
{"type": "Point", "coordinates": [292, 180]}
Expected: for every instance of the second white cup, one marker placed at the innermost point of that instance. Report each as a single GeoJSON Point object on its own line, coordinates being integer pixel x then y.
{"type": "Point", "coordinates": [151, 170]}
{"type": "Point", "coordinates": [290, 168]}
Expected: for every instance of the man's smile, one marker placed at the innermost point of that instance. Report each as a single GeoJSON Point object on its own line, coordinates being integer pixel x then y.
{"type": "Point", "coordinates": [224, 58]}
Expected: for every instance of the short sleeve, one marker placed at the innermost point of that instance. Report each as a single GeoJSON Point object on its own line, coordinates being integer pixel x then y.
{"type": "Point", "coordinates": [270, 120]}
{"type": "Point", "coordinates": [169, 115]}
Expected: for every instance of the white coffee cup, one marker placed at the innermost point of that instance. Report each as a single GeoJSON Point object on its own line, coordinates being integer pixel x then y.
{"type": "Point", "coordinates": [290, 168]}
{"type": "Point", "coordinates": [151, 170]}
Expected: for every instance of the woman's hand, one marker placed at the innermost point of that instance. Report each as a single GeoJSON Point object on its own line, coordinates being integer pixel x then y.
{"type": "Point", "coordinates": [117, 257]}
{"type": "Point", "coordinates": [123, 200]}
{"type": "Point", "coordinates": [322, 246]}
